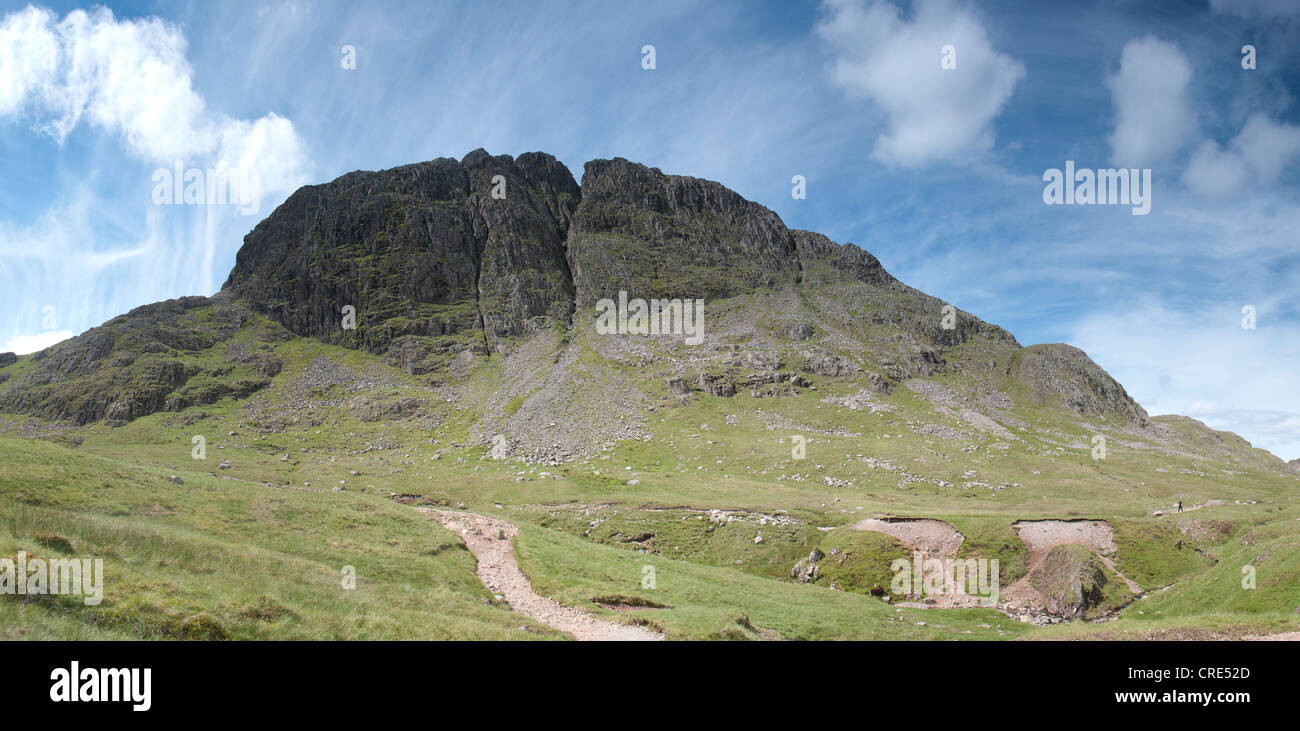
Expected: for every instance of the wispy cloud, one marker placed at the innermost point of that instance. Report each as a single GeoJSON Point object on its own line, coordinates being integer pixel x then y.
{"type": "Point", "coordinates": [1255, 158]}
{"type": "Point", "coordinates": [106, 100]}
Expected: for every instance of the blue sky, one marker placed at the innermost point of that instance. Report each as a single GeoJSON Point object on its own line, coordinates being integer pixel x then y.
{"type": "Point", "coordinates": [938, 172]}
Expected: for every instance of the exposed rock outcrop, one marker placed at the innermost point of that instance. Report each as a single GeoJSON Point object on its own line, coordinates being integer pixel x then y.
{"type": "Point", "coordinates": [1062, 372]}
{"type": "Point", "coordinates": [128, 367]}
{"type": "Point", "coordinates": [433, 249]}
{"type": "Point", "coordinates": [807, 571]}
{"type": "Point", "coordinates": [657, 235]}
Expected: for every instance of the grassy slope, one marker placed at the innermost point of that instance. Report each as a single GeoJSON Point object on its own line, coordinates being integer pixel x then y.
{"type": "Point", "coordinates": [263, 563]}
{"type": "Point", "coordinates": [266, 562]}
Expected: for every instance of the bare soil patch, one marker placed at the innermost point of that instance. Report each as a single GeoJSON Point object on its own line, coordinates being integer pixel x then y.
{"type": "Point", "coordinates": [934, 538]}
{"type": "Point", "coordinates": [1041, 536]}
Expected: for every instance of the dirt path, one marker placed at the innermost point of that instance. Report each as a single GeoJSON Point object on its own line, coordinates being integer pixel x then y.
{"type": "Point", "coordinates": [1280, 637]}
{"type": "Point", "coordinates": [1132, 585]}
{"type": "Point", "coordinates": [1186, 508]}
{"type": "Point", "coordinates": [492, 543]}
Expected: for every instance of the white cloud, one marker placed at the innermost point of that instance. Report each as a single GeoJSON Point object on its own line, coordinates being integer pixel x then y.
{"type": "Point", "coordinates": [101, 246]}
{"type": "Point", "coordinates": [131, 78]}
{"type": "Point", "coordinates": [1256, 156]}
{"type": "Point", "coordinates": [24, 344]}
{"type": "Point", "coordinates": [1267, 146]}
{"type": "Point", "coordinates": [1154, 119]}
{"type": "Point", "coordinates": [934, 113]}
{"type": "Point", "coordinates": [1214, 172]}
{"type": "Point", "coordinates": [1153, 113]}
{"type": "Point", "coordinates": [1256, 8]}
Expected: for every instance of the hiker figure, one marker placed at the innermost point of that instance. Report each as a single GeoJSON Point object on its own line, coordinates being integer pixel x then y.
{"type": "Point", "coordinates": [1180, 506]}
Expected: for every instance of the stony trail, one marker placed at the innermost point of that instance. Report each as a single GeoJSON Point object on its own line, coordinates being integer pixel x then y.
{"type": "Point", "coordinates": [492, 542]}
{"type": "Point", "coordinates": [1280, 637]}
{"type": "Point", "coordinates": [1161, 512]}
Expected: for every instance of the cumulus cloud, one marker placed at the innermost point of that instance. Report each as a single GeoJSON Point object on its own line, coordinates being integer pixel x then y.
{"type": "Point", "coordinates": [131, 78]}
{"type": "Point", "coordinates": [1254, 157]}
{"type": "Point", "coordinates": [24, 344]}
{"type": "Point", "coordinates": [933, 113]}
{"type": "Point", "coordinates": [1153, 112]}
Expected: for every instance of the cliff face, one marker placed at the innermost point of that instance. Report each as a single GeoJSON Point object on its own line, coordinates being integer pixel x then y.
{"type": "Point", "coordinates": [659, 235]}
{"type": "Point", "coordinates": [1065, 372]}
{"type": "Point", "coordinates": [419, 250]}
{"type": "Point", "coordinates": [426, 251]}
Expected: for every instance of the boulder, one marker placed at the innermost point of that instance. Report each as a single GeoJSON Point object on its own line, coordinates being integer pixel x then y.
{"type": "Point", "coordinates": [715, 385]}
{"type": "Point", "coordinates": [806, 571]}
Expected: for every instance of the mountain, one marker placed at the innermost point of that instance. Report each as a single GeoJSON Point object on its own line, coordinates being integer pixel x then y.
{"type": "Point", "coordinates": [431, 334]}
{"type": "Point", "coordinates": [441, 273]}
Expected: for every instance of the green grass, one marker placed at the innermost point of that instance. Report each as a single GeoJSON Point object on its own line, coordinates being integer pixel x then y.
{"type": "Point", "coordinates": [708, 602]}
{"type": "Point", "coordinates": [255, 562]}
{"type": "Point", "coordinates": [1155, 554]}
{"type": "Point", "coordinates": [859, 561]}
{"type": "Point", "coordinates": [249, 552]}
